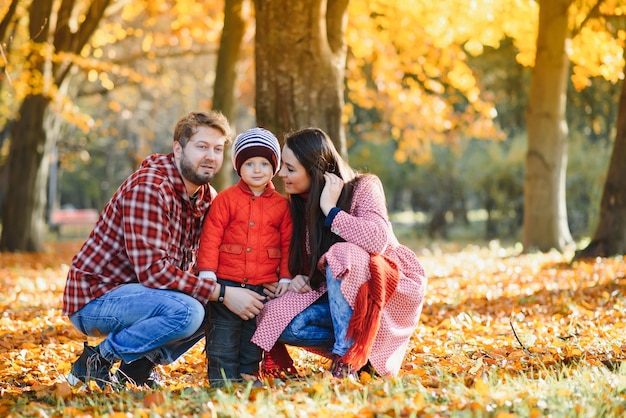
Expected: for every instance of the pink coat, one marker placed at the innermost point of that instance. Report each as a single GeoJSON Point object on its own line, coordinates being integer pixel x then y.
{"type": "Point", "coordinates": [367, 230]}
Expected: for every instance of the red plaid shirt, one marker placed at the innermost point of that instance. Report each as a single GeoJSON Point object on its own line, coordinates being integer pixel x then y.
{"type": "Point", "coordinates": [147, 233]}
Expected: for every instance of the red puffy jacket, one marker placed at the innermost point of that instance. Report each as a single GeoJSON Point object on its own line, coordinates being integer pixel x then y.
{"type": "Point", "coordinates": [245, 238]}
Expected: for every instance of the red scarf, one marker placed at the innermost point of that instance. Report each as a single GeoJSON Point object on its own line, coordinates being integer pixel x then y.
{"type": "Point", "coordinates": [368, 306]}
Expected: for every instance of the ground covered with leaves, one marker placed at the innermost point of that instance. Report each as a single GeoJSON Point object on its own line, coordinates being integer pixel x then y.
{"type": "Point", "coordinates": [502, 334]}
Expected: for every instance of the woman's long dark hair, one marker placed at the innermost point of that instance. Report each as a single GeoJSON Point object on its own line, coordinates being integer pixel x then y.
{"type": "Point", "coordinates": [317, 153]}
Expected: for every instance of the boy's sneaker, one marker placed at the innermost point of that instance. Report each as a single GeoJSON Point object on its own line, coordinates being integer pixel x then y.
{"type": "Point", "coordinates": [141, 372]}
{"type": "Point", "coordinates": [90, 366]}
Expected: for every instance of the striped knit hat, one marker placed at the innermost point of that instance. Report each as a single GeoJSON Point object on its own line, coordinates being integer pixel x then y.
{"type": "Point", "coordinates": [256, 142]}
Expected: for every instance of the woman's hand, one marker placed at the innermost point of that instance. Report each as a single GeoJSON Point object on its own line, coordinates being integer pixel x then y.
{"type": "Point", "coordinates": [243, 302]}
{"type": "Point", "coordinates": [300, 284]}
{"type": "Point", "coordinates": [331, 192]}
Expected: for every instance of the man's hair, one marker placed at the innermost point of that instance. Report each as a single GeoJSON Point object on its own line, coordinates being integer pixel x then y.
{"type": "Point", "coordinates": [189, 124]}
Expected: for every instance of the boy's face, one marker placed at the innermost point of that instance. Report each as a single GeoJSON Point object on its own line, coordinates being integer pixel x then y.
{"type": "Point", "coordinates": [256, 172]}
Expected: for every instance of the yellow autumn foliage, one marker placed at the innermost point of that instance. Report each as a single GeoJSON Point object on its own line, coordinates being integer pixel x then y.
{"type": "Point", "coordinates": [407, 58]}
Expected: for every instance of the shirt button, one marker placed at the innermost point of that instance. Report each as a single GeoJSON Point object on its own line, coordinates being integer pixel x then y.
{"type": "Point", "coordinates": [252, 223]}
{"type": "Point", "coordinates": [249, 249]}
{"type": "Point", "coordinates": [245, 280]}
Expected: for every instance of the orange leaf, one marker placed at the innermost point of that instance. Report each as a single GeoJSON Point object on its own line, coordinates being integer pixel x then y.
{"type": "Point", "coordinates": [481, 387]}
{"type": "Point", "coordinates": [63, 390]}
{"type": "Point", "coordinates": [152, 399]}
{"type": "Point", "coordinates": [419, 402]}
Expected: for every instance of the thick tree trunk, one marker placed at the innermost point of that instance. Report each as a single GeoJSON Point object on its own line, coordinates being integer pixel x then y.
{"type": "Point", "coordinates": [610, 236]}
{"type": "Point", "coordinates": [545, 215]}
{"type": "Point", "coordinates": [23, 212]}
{"type": "Point", "coordinates": [226, 76]}
{"type": "Point", "coordinates": [300, 56]}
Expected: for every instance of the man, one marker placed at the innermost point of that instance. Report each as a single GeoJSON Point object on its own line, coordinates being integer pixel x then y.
{"type": "Point", "coordinates": [133, 280]}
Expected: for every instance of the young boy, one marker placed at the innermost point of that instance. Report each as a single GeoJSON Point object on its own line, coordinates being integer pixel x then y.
{"type": "Point", "coordinates": [244, 243]}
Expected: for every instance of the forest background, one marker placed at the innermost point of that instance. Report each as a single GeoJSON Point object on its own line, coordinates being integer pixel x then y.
{"type": "Point", "coordinates": [491, 122]}
{"type": "Point", "coordinates": [435, 100]}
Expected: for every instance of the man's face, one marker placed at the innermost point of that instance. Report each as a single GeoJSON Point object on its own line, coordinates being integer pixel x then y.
{"type": "Point", "coordinates": [202, 157]}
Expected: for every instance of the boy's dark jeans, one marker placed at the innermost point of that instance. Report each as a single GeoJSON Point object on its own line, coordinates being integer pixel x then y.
{"type": "Point", "coordinates": [228, 347]}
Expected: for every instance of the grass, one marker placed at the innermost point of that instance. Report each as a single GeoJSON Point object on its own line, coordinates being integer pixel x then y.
{"type": "Point", "coordinates": [569, 391]}
{"type": "Point", "coordinates": [502, 335]}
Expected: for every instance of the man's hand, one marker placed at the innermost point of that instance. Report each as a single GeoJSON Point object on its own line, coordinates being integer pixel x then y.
{"type": "Point", "coordinates": [243, 302]}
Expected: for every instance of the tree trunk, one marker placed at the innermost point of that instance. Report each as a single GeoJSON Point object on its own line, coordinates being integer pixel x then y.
{"type": "Point", "coordinates": [610, 236]}
{"type": "Point", "coordinates": [226, 77]}
{"type": "Point", "coordinates": [545, 215]}
{"type": "Point", "coordinates": [300, 54]}
{"type": "Point", "coordinates": [23, 212]}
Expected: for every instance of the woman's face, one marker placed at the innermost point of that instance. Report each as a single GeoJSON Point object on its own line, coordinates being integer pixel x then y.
{"type": "Point", "coordinates": [293, 174]}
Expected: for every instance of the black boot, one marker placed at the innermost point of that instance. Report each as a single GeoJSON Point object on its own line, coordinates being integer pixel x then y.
{"type": "Point", "coordinates": [140, 372]}
{"type": "Point", "coordinates": [90, 366]}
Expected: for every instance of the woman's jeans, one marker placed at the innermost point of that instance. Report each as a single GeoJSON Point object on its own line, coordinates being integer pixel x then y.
{"type": "Point", "coordinates": [139, 321]}
{"type": "Point", "coordinates": [228, 348]}
{"type": "Point", "coordinates": [324, 324]}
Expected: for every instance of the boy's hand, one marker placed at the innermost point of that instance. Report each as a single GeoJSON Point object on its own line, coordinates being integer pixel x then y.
{"type": "Point", "coordinates": [282, 287]}
{"type": "Point", "coordinates": [270, 289]}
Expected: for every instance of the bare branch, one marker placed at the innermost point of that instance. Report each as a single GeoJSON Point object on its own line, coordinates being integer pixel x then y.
{"type": "Point", "coordinates": [593, 13]}
{"type": "Point", "coordinates": [6, 19]}
{"type": "Point", "coordinates": [517, 338]}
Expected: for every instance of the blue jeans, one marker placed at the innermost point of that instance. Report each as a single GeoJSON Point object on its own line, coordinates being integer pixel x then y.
{"type": "Point", "coordinates": [139, 321]}
{"type": "Point", "coordinates": [228, 347]}
{"type": "Point", "coordinates": [324, 324]}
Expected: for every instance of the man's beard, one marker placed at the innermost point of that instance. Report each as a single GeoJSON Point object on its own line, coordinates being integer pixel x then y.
{"type": "Point", "coordinates": [191, 175]}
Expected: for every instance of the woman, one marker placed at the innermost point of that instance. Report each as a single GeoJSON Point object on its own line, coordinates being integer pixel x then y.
{"type": "Point", "coordinates": [357, 294]}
